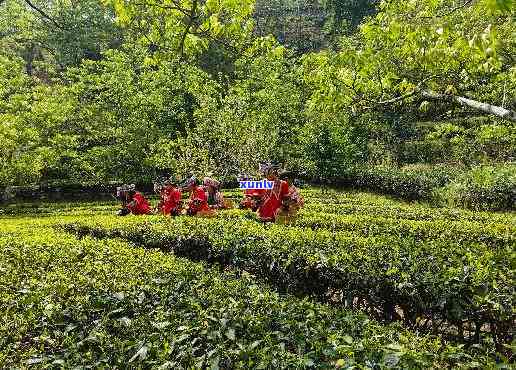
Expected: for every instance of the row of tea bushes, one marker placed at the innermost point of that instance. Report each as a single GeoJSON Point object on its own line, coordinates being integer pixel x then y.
{"type": "Point", "coordinates": [479, 188]}
{"type": "Point", "coordinates": [469, 285]}
{"type": "Point", "coordinates": [400, 210]}
{"type": "Point", "coordinates": [410, 183]}
{"type": "Point", "coordinates": [492, 234]}
{"type": "Point", "coordinates": [487, 187]}
{"type": "Point", "coordinates": [58, 208]}
{"type": "Point", "coordinates": [69, 303]}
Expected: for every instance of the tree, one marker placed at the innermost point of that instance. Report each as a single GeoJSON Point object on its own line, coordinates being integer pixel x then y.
{"type": "Point", "coordinates": [34, 135]}
{"type": "Point", "coordinates": [181, 29]}
{"type": "Point", "coordinates": [61, 33]}
{"type": "Point", "coordinates": [447, 47]}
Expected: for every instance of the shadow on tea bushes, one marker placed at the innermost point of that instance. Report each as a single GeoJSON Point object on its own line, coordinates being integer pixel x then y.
{"type": "Point", "coordinates": [90, 303]}
{"type": "Point", "coordinates": [439, 282]}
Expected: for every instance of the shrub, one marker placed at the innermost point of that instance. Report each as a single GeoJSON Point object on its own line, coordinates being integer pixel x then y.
{"type": "Point", "coordinates": [460, 280]}
{"type": "Point", "coordinates": [426, 151]}
{"type": "Point", "coordinates": [482, 188]}
{"type": "Point", "coordinates": [416, 182]}
{"type": "Point", "coordinates": [103, 304]}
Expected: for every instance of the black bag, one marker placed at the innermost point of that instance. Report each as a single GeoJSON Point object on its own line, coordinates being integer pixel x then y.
{"type": "Point", "coordinates": [123, 212]}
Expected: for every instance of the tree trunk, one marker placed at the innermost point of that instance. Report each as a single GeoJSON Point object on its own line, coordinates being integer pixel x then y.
{"type": "Point", "coordinates": [31, 53]}
{"type": "Point", "coordinates": [484, 107]}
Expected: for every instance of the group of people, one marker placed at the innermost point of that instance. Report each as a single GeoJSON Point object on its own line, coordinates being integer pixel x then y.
{"type": "Point", "coordinates": [277, 204]}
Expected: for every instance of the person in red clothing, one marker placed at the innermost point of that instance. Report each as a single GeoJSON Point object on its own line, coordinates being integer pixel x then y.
{"type": "Point", "coordinates": [252, 197]}
{"type": "Point", "coordinates": [170, 203]}
{"type": "Point", "coordinates": [216, 199]}
{"type": "Point", "coordinates": [273, 198]}
{"type": "Point", "coordinates": [132, 201]}
{"type": "Point", "coordinates": [138, 204]}
{"type": "Point", "coordinates": [198, 204]}
{"type": "Point", "coordinates": [291, 203]}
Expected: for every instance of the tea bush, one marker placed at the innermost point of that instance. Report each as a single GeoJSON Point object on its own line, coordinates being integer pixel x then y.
{"type": "Point", "coordinates": [489, 188]}
{"type": "Point", "coordinates": [104, 304]}
{"type": "Point", "coordinates": [416, 182]}
{"type": "Point", "coordinates": [457, 277]}
{"type": "Point", "coordinates": [438, 281]}
{"type": "Point", "coordinates": [485, 187]}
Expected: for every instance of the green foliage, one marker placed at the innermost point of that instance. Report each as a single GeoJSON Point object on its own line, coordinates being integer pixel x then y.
{"type": "Point", "coordinates": [332, 148]}
{"type": "Point", "coordinates": [16, 166]}
{"type": "Point", "coordinates": [113, 120]}
{"type": "Point", "coordinates": [483, 187]}
{"type": "Point", "coordinates": [465, 141]}
{"type": "Point", "coordinates": [33, 118]}
{"type": "Point", "coordinates": [438, 270]}
{"type": "Point", "coordinates": [184, 29]}
{"type": "Point", "coordinates": [413, 46]}
{"type": "Point", "coordinates": [296, 24]}
{"type": "Point", "coordinates": [409, 182]}
{"type": "Point", "coordinates": [67, 33]}
{"type": "Point", "coordinates": [259, 118]}
{"type": "Point", "coordinates": [93, 303]}
{"type": "Point", "coordinates": [185, 87]}
{"type": "Point", "coordinates": [131, 113]}
{"type": "Point", "coordinates": [93, 92]}
{"type": "Point", "coordinates": [479, 188]}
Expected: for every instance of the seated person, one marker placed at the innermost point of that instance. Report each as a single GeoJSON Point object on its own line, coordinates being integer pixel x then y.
{"type": "Point", "coordinates": [170, 203]}
{"type": "Point", "coordinates": [198, 203]}
{"type": "Point", "coordinates": [273, 198]}
{"type": "Point", "coordinates": [252, 197]}
{"type": "Point", "coordinates": [215, 198]}
{"type": "Point", "coordinates": [292, 202]}
{"type": "Point", "coordinates": [132, 201]}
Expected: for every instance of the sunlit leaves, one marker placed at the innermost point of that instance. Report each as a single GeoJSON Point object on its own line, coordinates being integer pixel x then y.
{"type": "Point", "coordinates": [499, 5]}
{"type": "Point", "coordinates": [184, 28]}
{"type": "Point", "coordinates": [66, 34]}
{"type": "Point", "coordinates": [433, 43]}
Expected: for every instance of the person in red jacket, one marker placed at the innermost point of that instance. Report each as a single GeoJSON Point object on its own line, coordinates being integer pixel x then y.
{"type": "Point", "coordinates": [273, 198]}
{"type": "Point", "coordinates": [132, 201]}
{"type": "Point", "coordinates": [252, 197]}
{"type": "Point", "coordinates": [198, 204]}
{"type": "Point", "coordinates": [170, 203]}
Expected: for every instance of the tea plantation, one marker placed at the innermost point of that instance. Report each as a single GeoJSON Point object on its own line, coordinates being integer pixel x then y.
{"type": "Point", "coordinates": [357, 281]}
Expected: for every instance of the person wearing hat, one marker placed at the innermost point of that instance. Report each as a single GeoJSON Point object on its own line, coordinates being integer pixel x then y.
{"type": "Point", "coordinates": [273, 198]}
{"type": "Point", "coordinates": [132, 201]}
{"type": "Point", "coordinates": [215, 198]}
{"type": "Point", "coordinates": [198, 203]}
{"type": "Point", "coordinates": [170, 194]}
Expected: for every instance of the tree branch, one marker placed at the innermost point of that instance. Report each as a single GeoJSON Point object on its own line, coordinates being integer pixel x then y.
{"type": "Point", "coordinates": [187, 29]}
{"type": "Point", "coordinates": [479, 106]}
{"type": "Point", "coordinates": [399, 98]}
{"type": "Point", "coordinates": [416, 90]}
{"type": "Point", "coordinates": [176, 6]}
{"type": "Point", "coordinates": [45, 15]}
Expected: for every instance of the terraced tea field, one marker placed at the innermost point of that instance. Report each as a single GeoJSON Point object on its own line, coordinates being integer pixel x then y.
{"type": "Point", "coordinates": [358, 281]}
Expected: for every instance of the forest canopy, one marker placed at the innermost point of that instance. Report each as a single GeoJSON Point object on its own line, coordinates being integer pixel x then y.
{"type": "Point", "coordinates": [112, 90]}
